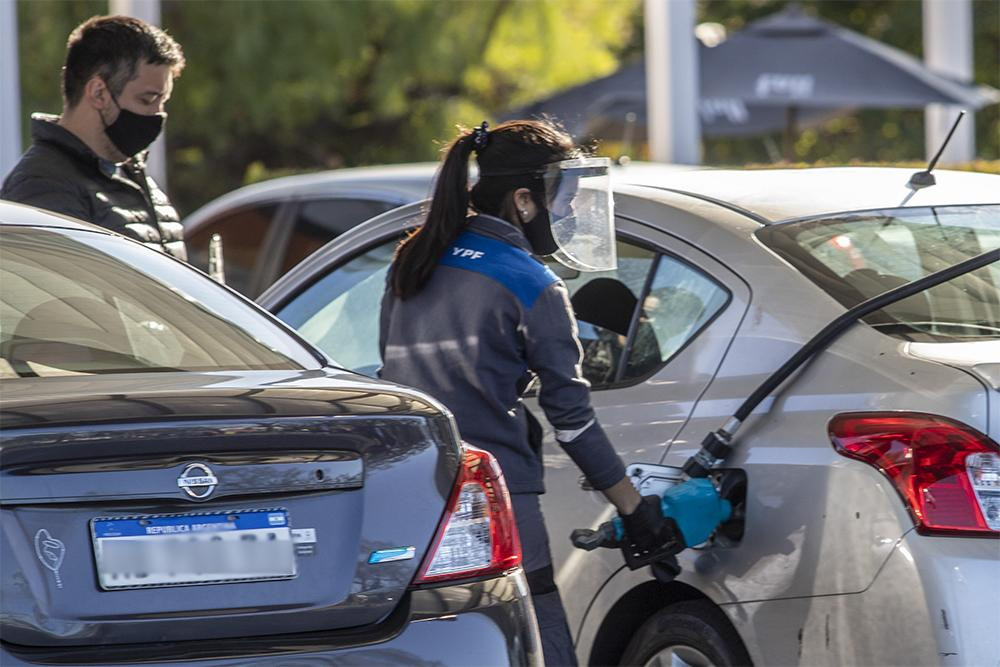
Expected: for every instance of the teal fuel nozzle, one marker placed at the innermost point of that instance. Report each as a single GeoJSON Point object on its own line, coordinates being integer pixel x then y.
{"type": "Point", "coordinates": [696, 507]}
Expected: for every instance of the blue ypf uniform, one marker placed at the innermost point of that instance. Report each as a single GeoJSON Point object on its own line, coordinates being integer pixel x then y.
{"type": "Point", "coordinates": [490, 318]}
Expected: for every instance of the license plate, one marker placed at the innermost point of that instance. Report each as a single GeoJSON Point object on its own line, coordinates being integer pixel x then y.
{"type": "Point", "coordinates": [190, 549]}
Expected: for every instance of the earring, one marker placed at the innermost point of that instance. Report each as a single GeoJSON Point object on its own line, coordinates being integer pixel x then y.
{"type": "Point", "coordinates": [524, 213]}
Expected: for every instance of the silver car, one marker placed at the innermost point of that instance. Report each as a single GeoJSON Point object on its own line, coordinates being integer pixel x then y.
{"type": "Point", "coordinates": [867, 488]}
{"type": "Point", "coordinates": [267, 228]}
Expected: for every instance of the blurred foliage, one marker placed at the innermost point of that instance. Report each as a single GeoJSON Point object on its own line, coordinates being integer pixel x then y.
{"type": "Point", "coordinates": [305, 85]}
{"type": "Point", "coordinates": [275, 87]}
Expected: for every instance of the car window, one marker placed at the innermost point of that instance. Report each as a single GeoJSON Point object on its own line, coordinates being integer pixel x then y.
{"type": "Point", "coordinates": [76, 303]}
{"type": "Point", "coordinates": [318, 222]}
{"type": "Point", "coordinates": [857, 256]}
{"type": "Point", "coordinates": [680, 301]}
{"type": "Point", "coordinates": [630, 325]}
{"type": "Point", "coordinates": [339, 313]}
{"type": "Point", "coordinates": [243, 233]}
{"type": "Point", "coordinates": [605, 303]}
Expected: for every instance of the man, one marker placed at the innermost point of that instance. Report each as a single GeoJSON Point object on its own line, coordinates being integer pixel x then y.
{"type": "Point", "coordinates": [90, 161]}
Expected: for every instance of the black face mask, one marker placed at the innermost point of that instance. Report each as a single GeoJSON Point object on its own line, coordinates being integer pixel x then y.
{"type": "Point", "coordinates": [132, 133]}
{"type": "Point", "coordinates": [538, 230]}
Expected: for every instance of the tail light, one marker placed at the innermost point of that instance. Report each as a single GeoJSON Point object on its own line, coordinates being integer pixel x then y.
{"type": "Point", "coordinates": [478, 534]}
{"type": "Point", "coordinates": [947, 473]}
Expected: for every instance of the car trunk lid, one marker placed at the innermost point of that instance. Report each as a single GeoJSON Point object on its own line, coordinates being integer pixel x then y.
{"type": "Point", "coordinates": [263, 521]}
{"type": "Point", "coordinates": [980, 358]}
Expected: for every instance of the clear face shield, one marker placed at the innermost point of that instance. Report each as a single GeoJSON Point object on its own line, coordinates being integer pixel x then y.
{"type": "Point", "coordinates": [581, 213]}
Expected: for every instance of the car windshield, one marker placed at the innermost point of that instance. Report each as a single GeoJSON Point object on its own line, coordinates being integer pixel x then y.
{"type": "Point", "coordinates": [80, 303]}
{"type": "Point", "coordinates": [855, 256]}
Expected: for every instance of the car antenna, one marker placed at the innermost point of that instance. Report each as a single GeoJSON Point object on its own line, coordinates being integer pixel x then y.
{"type": "Point", "coordinates": [924, 179]}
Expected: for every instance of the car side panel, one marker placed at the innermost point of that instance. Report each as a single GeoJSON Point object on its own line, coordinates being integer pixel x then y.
{"type": "Point", "coordinates": [641, 420]}
{"type": "Point", "coordinates": [933, 603]}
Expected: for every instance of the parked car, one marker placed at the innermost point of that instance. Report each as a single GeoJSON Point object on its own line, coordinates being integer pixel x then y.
{"type": "Point", "coordinates": [867, 489]}
{"type": "Point", "coordinates": [185, 480]}
{"type": "Point", "coordinates": [269, 227]}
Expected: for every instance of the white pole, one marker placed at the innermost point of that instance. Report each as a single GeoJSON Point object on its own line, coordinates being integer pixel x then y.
{"type": "Point", "coordinates": [148, 11]}
{"type": "Point", "coordinates": [673, 126]}
{"type": "Point", "coordinates": [948, 51]}
{"type": "Point", "coordinates": [10, 89]}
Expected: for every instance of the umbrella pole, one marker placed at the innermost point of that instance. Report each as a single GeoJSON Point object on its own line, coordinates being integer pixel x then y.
{"type": "Point", "coordinates": [791, 115]}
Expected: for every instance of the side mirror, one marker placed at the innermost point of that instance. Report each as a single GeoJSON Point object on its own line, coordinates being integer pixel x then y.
{"type": "Point", "coordinates": [216, 263]}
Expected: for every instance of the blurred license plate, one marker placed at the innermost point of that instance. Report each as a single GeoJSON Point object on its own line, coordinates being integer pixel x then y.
{"type": "Point", "coordinates": [186, 549]}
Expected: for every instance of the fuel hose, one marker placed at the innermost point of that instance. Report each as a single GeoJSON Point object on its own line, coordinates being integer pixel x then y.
{"type": "Point", "coordinates": [718, 444]}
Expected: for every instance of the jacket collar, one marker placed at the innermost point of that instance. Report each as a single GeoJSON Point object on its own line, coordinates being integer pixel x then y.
{"type": "Point", "coordinates": [45, 128]}
{"type": "Point", "coordinates": [498, 228]}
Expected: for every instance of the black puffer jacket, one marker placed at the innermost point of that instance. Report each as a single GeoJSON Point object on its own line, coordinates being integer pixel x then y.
{"type": "Point", "coordinates": [61, 174]}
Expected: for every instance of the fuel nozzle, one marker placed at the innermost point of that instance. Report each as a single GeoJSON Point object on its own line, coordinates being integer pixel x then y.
{"type": "Point", "coordinates": [716, 447]}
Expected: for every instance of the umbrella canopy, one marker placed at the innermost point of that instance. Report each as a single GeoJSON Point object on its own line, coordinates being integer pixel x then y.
{"type": "Point", "coordinates": [602, 108]}
{"type": "Point", "coordinates": [792, 59]}
{"type": "Point", "coordinates": [748, 84]}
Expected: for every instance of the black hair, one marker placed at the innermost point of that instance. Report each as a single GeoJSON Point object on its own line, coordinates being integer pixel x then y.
{"type": "Point", "coordinates": [112, 47]}
{"type": "Point", "coordinates": [511, 158]}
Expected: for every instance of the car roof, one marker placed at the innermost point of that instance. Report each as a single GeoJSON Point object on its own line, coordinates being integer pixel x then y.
{"type": "Point", "coordinates": [402, 183]}
{"type": "Point", "coordinates": [772, 195]}
{"type": "Point", "coordinates": [13, 213]}
{"type": "Point", "coordinates": [399, 183]}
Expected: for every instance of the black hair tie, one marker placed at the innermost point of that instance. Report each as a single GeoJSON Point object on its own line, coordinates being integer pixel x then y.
{"type": "Point", "coordinates": [481, 136]}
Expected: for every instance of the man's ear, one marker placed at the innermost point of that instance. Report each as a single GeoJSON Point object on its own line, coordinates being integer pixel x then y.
{"type": "Point", "coordinates": [96, 94]}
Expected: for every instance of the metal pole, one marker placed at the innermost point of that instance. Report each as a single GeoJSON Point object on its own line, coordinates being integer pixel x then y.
{"type": "Point", "coordinates": [674, 129]}
{"type": "Point", "coordinates": [10, 89]}
{"type": "Point", "coordinates": [148, 11]}
{"type": "Point", "coordinates": [948, 51]}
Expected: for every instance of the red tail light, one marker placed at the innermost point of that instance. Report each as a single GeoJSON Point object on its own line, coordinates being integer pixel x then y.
{"type": "Point", "coordinates": [478, 534]}
{"type": "Point", "coordinates": [947, 473]}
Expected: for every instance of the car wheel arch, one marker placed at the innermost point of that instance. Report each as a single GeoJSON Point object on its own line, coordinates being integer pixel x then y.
{"type": "Point", "coordinates": [630, 611]}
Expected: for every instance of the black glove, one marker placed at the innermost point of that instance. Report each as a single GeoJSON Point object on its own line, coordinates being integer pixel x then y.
{"type": "Point", "coordinates": [647, 531]}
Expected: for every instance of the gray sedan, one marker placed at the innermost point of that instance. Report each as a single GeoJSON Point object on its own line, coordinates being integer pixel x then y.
{"type": "Point", "coordinates": [867, 488]}
{"type": "Point", "coordinates": [183, 480]}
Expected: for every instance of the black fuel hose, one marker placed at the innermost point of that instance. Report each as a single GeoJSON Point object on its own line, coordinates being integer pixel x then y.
{"type": "Point", "coordinates": [842, 323]}
{"type": "Point", "coordinates": [718, 444]}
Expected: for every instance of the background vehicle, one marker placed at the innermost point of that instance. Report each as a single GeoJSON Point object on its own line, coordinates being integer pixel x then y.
{"type": "Point", "coordinates": [722, 276]}
{"type": "Point", "coordinates": [269, 227]}
{"type": "Point", "coordinates": [184, 480]}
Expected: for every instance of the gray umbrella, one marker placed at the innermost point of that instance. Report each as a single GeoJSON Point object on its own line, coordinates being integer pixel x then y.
{"type": "Point", "coordinates": [792, 59]}
{"type": "Point", "coordinates": [785, 69]}
{"type": "Point", "coordinates": [606, 107]}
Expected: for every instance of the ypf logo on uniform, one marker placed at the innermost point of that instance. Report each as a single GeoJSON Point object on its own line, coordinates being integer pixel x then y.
{"type": "Point", "coordinates": [466, 253]}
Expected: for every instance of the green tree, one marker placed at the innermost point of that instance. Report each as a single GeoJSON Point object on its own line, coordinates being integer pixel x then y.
{"type": "Point", "coordinates": [273, 87]}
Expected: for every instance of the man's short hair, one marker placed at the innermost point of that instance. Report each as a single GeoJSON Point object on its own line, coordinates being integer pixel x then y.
{"type": "Point", "coordinates": [112, 47]}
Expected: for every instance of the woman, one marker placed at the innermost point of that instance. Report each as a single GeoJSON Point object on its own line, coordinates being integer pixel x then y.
{"type": "Point", "coordinates": [471, 316]}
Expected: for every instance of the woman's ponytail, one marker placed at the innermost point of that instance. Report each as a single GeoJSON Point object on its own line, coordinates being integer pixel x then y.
{"type": "Point", "coordinates": [520, 145]}
{"type": "Point", "coordinates": [420, 252]}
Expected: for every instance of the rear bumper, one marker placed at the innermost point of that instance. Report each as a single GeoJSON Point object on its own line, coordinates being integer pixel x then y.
{"type": "Point", "coordinates": [935, 601]}
{"type": "Point", "coordinates": [942, 594]}
{"type": "Point", "coordinates": [485, 622]}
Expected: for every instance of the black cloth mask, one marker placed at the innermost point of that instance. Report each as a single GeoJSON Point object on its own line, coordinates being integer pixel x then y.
{"type": "Point", "coordinates": [538, 230]}
{"type": "Point", "coordinates": [132, 133]}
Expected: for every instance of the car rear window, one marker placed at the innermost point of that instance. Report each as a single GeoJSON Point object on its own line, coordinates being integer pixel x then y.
{"type": "Point", "coordinates": [81, 303]}
{"type": "Point", "coordinates": [855, 256]}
